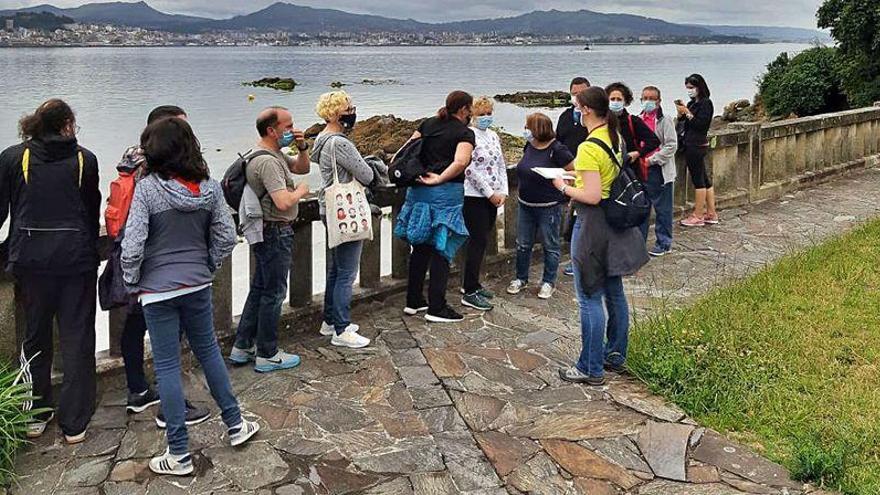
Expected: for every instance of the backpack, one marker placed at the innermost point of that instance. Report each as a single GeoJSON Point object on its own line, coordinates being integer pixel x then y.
{"type": "Point", "coordinates": [407, 165]}
{"type": "Point", "coordinates": [235, 178]}
{"type": "Point", "coordinates": [118, 203]}
{"type": "Point", "coordinates": [627, 204]}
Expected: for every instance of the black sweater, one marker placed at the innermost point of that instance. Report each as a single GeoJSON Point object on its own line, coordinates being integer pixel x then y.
{"type": "Point", "coordinates": [696, 130]}
{"type": "Point", "coordinates": [644, 141]}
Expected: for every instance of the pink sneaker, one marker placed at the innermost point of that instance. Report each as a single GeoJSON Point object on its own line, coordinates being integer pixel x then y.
{"type": "Point", "coordinates": [710, 219]}
{"type": "Point", "coordinates": [693, 221]}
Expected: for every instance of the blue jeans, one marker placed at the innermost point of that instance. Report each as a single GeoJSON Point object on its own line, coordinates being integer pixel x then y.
{"type": "Point", "coordinates": [194, 313]}
{"type": "Point", "coordinates": [604, 314]}
{"type": "Point", "coordinates": [660, 195]}
{"type": "Point", "coordinates": [262, 310]}
{"type": "Point", "coordinates": [529, 220]}
{"type": "Point", "coordinates": [342, 268]}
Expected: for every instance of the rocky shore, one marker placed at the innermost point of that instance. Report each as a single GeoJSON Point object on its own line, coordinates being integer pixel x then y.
{"type": "Point", "coordinates": [537, 99]}
{"type": "Point", "coordinates": [279, 83]}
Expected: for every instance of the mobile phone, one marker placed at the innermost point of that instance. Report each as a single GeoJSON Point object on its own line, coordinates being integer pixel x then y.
{"type": "Point", "coordinates": [679, 102]}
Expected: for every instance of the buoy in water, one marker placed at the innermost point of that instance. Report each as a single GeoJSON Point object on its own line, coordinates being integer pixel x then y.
{"type": "Point", "coordinates": [251, 97]}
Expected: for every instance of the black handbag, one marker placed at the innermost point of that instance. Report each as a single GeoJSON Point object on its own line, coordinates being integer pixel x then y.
{"type": "Point", "coordinates": [407, 165]}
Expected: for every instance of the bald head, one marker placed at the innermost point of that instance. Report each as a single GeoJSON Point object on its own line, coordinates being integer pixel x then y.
{"type": "Point", "coordinates": [278, 118]}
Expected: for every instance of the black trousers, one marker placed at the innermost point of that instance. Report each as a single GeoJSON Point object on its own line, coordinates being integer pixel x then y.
{"type": "Point", "coordinates": [132, 344]}
{"type": "Point", "coordinates": [423, 257]}
{"type": "Point", "coordinates": [70, 300]}
{"type": "Point", "coordinates": [479, 218]}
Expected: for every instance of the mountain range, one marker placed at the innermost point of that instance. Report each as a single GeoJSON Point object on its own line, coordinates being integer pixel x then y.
{"type": "Point", "coordinates": [307, 20]}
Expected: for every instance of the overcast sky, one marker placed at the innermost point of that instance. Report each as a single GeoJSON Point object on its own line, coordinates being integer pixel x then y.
{"type": "Point", "coordinates": [797, 13]}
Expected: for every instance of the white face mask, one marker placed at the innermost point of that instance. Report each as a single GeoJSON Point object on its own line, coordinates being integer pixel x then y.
{"type": "Point", "coordinates": [692, 92]}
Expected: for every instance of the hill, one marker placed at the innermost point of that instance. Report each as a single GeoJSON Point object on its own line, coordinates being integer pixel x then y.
{"type": "Point", "coordinates": [771, 34]}
{"type": "Point", "coordinates": [136, 14]}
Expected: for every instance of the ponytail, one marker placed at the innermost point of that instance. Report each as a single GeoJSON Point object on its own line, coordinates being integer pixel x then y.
{"type": "Point", "coordinates": [443, 113]}
{"type": "Point", "coordinates": [455, 101]}
{"type": "Point", "coordinates": [614, 131]}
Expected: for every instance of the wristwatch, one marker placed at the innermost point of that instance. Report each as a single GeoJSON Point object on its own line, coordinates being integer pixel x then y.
{"type": "Point", "coordinates": [304, 147]}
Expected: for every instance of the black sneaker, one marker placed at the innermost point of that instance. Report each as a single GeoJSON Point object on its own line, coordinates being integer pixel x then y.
{"type": "Point", "coordinates": [610, 363]}
{"type": "Point", "coordinates": [445, 315]}
{"type": "Point", "coordinates": [476, 301]}
{"type": "Point", "coordinates": [194, 416]}
{"type": "Point", "coordinates": [138, 403]}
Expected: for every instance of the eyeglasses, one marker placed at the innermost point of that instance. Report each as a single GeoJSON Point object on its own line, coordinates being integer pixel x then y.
{"type": "Point", "coordinates": [76, 129]}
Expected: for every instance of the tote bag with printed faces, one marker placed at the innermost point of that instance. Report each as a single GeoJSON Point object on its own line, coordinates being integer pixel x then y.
{"type": "Point", "coordinates": [348, 212]}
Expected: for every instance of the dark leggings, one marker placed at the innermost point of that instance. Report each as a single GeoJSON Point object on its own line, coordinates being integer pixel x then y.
{"type": "Point", "coordinates": [479, 218]}
{"type": "Point", "coordinates": [425, 257]}
{"type": "Point", "coordinates": [695, 158]}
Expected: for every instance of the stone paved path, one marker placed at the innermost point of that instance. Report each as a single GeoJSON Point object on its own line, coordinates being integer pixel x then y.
{"type": "Point", "coordinates": [472, 408]}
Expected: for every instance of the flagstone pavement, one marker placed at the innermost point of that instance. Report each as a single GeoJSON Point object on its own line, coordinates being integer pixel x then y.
{"type": "Point", "coordinates": [475, 407]}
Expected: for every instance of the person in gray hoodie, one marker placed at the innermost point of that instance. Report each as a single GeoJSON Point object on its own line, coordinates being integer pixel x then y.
{"type": "Point", "coordinates": [178, 231]}
{"type": "Point", "coordinates": [344, 260]}
{"type": "Point", "coordinates": [661, 170]}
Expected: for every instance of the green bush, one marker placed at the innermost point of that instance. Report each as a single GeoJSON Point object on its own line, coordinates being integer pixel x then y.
{"type": "Point", "coordinates": [13, 420]}
{"type": "Point", "coordinates": [855, 25]}
{"type": "Point", "coordinates": [808, 84]}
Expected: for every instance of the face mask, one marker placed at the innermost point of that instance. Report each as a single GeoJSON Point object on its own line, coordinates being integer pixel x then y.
{"type": "Point", "coordinates": [692, 92]}
{"type": "Point", "coordinates": [649, 106]}
{"type": "Point", "coordinates": [286, 139]}
{"type": "Point", "coordinates": [528, 135]}
{"type": "Point", "coordinates": [348, 121]}
{"type": "Point", "coordinates": [484, 121]}
{"type": "Point", "coordinates": [616, 106]}
{"type": "Point", "coordinates": [577, 116]}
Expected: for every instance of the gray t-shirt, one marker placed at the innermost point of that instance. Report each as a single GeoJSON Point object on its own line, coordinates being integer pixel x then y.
{"type": "Point", "coordinates": [267, 174]}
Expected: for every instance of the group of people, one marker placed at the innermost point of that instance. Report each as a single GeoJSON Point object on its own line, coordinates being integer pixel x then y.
{"type": "Point", "coordinates": [179, 227]}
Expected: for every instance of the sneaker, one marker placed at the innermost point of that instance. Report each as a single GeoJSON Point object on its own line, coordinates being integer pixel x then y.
{"type": "Point", "coordinates": [574, 375]}
{"type": "Point", "coordinates": [243, 432]}
{"type": "Point", "coordinates": [168, 463]}
{"type": "Point", "coordinates": [569, 269]}
{"type": "Point", "coordinates": [611, 360]}
{"type": "Point", "coordinates": [476, 301]}
{"type": "Point", "coordinates": [242, 356]}
{"type": "Point", "coordinates": [546, 291]}
{"type": "Point", "coordinates": [138, 403]}
{"type": "Point", "coordinates": [350, 338]}
{"type": "Point", "coordinates": [658, 251]}
{"type": "Point", "coordinates": [693, 221]}
{"type": "Point", "coordinates": [445, 315]}
{"type": "Point", "coordinates": [483, 292]}
{"type": "Point", "coordinates": [280, 361]}
{"type": "Point", "coordinates": [414, 309]}
{"type": "Point", "coordinates": [710, 219]}
{"type": "Point", "coordinates": [194, 416]}
{"type": "Point", "coordinates": [328, 330]}
{"type": "Point", "coordinates": [75, 439]}
{"type": "Point", "coordinates": [516, 286]}
{"type": "Point", "coordinates": [36, 428]}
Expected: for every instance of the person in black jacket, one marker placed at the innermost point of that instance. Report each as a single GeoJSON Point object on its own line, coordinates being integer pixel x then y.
{"type": "Point", "coordinates": [49, 189]}
{"type": "Point", "coordinates": [569, 130]}
{"type": "Point", "coordinates": [695, 120]}
{"type": "Point", "coordinates": [639, 138]}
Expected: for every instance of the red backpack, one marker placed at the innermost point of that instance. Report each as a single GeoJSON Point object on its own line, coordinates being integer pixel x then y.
{"type": "Point", "coordinates": [122, 192]}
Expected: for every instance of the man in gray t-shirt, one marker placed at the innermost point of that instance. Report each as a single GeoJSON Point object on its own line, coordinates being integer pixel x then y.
{"type": "Point", "coordinates": [272, 179]}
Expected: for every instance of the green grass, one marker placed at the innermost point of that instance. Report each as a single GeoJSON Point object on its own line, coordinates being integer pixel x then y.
{"type": "Point", "coordinates": [13, 421]}
{"type": "Point", "coordinates": [785, 361]}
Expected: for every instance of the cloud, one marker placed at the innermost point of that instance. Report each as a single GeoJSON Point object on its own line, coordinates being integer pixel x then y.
{"type": "Point", "coordinates": [798, 13]}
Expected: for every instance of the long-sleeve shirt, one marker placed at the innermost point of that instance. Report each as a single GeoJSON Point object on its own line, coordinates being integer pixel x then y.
{"type": "Point", "coordinates": [487, 173]}
{"type": "Point", "coordinates": [697, 129]}
{"type": "Point", "coordinates": [350, 165]}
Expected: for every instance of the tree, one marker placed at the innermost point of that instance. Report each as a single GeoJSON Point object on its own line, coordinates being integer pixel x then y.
{"type": "Point", "coordinates": [855, 25]}
{"type": "Point", "coordinates": [808, 84]}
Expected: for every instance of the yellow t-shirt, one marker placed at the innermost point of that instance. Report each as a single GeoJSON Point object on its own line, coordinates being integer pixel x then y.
{"type": "Point", "coordinates": [592, 158]}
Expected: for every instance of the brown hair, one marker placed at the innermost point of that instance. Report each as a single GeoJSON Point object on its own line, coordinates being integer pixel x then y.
{"type": "Point", "coordinates": [541, 127]}
{"type": "Point", "coordinates": [596, 99]}
{"type": "Point", "coordinates": [455, 101]}
{"type": "Point", "coordinates": [172, 150]}
{"type": "Point", "coordinates": [50, 118]}
{"type": "Point", "coordinates": [624, 90]}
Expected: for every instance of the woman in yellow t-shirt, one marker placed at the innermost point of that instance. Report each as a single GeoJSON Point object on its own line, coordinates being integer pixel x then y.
{"type": "Point", "coordinates": [596, 292]}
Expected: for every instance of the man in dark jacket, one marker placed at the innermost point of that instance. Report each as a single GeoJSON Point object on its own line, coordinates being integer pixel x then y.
{"type": "Point", "coordinates": [49, 189]}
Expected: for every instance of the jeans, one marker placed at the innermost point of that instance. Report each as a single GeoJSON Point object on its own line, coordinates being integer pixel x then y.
{"type": "Point", "coordinates": [424, 256]}
{"type": "Point", "coordinates": [132, 343]}
{"type": "Point", "coordinates": [262, 310]}
{"type": "Point", "coordinates": [529, 220]}
{"type": "Point", "coordinates": [342, 268]}
{"type": "Point", "coordinates": [479, 218]}
{"type": "Point", "coordinates": [604, 314]}
{"type": "Point", "coordinates": [194, 313]}
{"type": "Point", "coordinates": [660, 195]}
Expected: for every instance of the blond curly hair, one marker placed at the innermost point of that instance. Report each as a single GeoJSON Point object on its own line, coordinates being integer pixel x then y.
{"type": "Point", "coordinates": [483, 104]}
{"type": "Point", "coordinates": [331, 105]}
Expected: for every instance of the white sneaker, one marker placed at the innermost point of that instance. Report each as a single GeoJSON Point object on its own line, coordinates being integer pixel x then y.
{"type": "Point", "coordinates": [36, 428]}
{"type": "Point", "coordinates": [414, 311]}
{"type": "Point", "coordinates": [243, 432]}
{"type": "Point", "coordinates": [328, 330]}
{"type": "Point", "coordinates": [516, 286]}
{"type": "Point", "coordinates": [75, 439]}
{"type": "Point", "coordinates": [350, 338]}
{"type": "Point", "coordinates": [168, 463]}
{"type": "Point", "coordinates": [546, 291]}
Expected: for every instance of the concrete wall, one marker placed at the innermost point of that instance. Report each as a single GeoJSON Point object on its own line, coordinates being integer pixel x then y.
{"type": "Point", "coordinates": [748, 163]}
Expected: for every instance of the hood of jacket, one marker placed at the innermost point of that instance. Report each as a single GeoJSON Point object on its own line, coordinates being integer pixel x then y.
{"type": "Point", "coordinates": [181, 198]}
{"type": "Point", "coordinates": [52, 148]}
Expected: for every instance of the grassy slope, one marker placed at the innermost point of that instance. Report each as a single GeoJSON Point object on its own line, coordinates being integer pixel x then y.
{"type": "Point", "coordinates": [786, 361]}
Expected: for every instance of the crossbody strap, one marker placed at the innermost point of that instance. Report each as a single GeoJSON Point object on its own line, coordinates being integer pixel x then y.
{"type": "Point", "coordinates": [607, 149]}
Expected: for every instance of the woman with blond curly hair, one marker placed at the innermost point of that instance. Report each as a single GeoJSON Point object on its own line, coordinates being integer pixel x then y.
{"type": "Point", "coordinates": [343, 262]}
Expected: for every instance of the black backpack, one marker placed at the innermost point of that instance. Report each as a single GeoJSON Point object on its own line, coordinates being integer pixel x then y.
{"type": "Point", "coordinates": [235, 179]}
{"type": "Point", "coordinates": [627, 204]}
{"type": "Point", "coordinates": [407, 164]}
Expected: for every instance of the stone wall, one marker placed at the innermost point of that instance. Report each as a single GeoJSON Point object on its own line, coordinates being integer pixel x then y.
{"type": "Point", "coordinates": [749, 163]}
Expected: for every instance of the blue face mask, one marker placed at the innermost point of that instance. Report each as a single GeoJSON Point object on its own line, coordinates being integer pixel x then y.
{"type": "Point", "coordinates": [616, 106]}
{"type": "Point", "coordinates": [484, 122]}
{"type": "Point", "coordinates": [649, 106]}
{"type": "Point", "coordinates": [577, 117]}
{"type": "Point", "coordinates": [528, 135]}
{"type": "Point", "coordinates": [286, 139]}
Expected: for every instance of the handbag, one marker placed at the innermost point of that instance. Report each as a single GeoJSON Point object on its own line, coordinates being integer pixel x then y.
{"type": "Point", "coordinates": [348, 212]}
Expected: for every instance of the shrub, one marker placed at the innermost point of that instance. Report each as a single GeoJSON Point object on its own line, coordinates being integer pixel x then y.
{"type": "Point", "coordinates": [13, 420]}
{"type": "Point", "coordinates": [808, 84]}
{"type": "Point", "coordinates": [855, 25]}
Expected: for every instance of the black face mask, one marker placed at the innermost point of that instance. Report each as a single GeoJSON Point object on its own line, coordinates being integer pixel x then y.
{"type": "Point", "coordinates": [348, 121]}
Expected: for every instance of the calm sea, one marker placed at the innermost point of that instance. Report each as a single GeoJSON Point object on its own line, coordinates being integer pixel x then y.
{"type": "Point", "coordinates": [113, 89]}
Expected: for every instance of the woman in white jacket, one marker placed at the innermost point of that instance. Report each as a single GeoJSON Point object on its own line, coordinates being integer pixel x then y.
{"type": "Point", "coordinates": [661, 170]}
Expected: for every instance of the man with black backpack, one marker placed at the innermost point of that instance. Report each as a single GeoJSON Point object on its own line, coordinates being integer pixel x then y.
{"type": "Point", "coordinates": [270, 173]}
{"type": "Point", "coordinates": [141, 396]}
